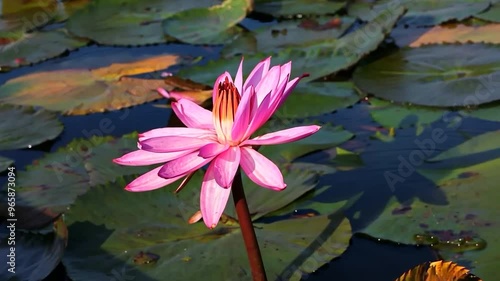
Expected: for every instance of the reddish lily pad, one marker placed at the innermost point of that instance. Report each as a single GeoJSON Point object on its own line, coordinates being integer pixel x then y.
{"type": "Point", "coordinates": [82, 91]}
{"type": "Point", "coordinates": [156, 241]}
{"type": "Point", "coordinates": [438, 270]}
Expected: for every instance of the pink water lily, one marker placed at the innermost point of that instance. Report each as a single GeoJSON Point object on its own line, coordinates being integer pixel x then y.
{"type": "Point", "coordinates": [221, 138]}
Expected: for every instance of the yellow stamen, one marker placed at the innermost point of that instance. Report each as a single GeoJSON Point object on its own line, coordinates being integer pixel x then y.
{"type": "Point", "coordinates": [225, 106]}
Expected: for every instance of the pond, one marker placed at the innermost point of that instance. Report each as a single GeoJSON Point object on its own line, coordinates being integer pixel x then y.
{"type": "Point", "coordinates": [403, 171]}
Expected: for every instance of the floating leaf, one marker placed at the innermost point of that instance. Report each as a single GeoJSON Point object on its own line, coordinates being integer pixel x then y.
{"type": "Point", "coordinates": [23, 127]}
{"type": "Point", "coordinates": [156, 241]}
{"type": "Point", "coordinates": [425, 12]}
{"type": "Point", "coordinates": [213, 25]}
{"type": "Point", "coordinates": [392, 115]}
{"type": "Point", "coordinates": [312, 99]}
{"type": "Point", "coordinates": [460, 33]}
{"type": "Point", "coordinates": [290, 33]}
{"type": "Point", "coordinates": [436, 271]}
{"type": "Point", "coordinates": [280, 8]}
{"type": "Point", "coordinates": [28, 48]}
{"type": "Point", "coordinates": [22, 16]}
{"type": "Point", "coordinates": [492, 14]}
{"type": "Point", "coordinates": [462, 222]}
{"type": "Point", "coordinates": [434, 75]}
{"type": "Point", "coordinates": [486, 112]}
{"type": "Point", "coordinates": [319, 59]}
{"type": "Point", "coordinates": [5, 163]}
{"type": "Point", "coordinates": [52, 183]}
{"type": "Point", "coordinates": [139, 22]}
{"type": "Point", "coordinates": [82, 91]}
{"type": "Point", "coordinates": [35, 255]}
{"type": "Point", "coordinates": [486, 142]}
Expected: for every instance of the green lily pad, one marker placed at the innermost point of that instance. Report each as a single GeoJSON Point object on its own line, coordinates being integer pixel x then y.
{"type": "Point", "coordinates": [313, 99]}
{"type": "Point", "coordinates": [213, 25]}
{"type": "Point", "coordinates": [280, 8]}
{"type": "Point", "coordinates": [139, 22]}
{"type": "Point", "coordinates": [290, 33]}
{"type": "Point", "coordinates": [28, 48]}
{"type": "Point", "coordinates": [424, 12]}
{"type": "Point", "coordinates": [83, 91]}
{"type": "Point", "coordinates": [483, 143]}
{"type": "Point", "coordinates": [5, 163]}
{"type": "Point", "coordinates": [319, 59]}
{"type": "Point", "coordinates": [434, 75]}
{"type": "Point", "coordinates": [392, 115]}
{"type": "Point", "coordinates": [22, 16]}
{"type": "Point", "coordinates": [486, 112]}
{"type": "Point", "coordinates": [464, 228]}
{"type": "Point", "coordinates": [155, 240]}
{"type": "Point", "coordinates": [52, 183]}
{"type": "Point", "coordinates": [23, 127]}
{"type": "Point", "coordinates": [36, 255]}
{"type": "Point", "coordinates": [492, 14]}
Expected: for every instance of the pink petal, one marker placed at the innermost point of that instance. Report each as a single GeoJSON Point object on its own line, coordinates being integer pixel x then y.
{"type": "Point", "coordinates": [193, 115]}
{"type": "Point", "coordinates": [257, 73]}
{"type": "Point", "coordinates": [261, 170]}
{"type": "Point", "coordinates": [225, 166]}
{"type": "Point", "coordinates": [150, 181]}
{"type": "Point", "coordinates": [174, 131]}
{"type": "Point", "coordinates": [286, 70]}
{"type": "Point", "coordinates": [174, 143]}
{"type": "Point", "coordinates": [242, 117]}
{"type": "Point", "coordinates": [284, 136]}
{"type": "Point", "coordinates": [268, 84]}
{"type": "Point", "coordinates": [264, 112]}
{"type": "Point", "coordinates": [212, 150]}
{"type": "Point", "coordinates": [142, 157]}
{"type": "Point", "coordinates": [164, 93]}
{"type": "Point", "coordinates": [213, 199]}
{"type": "Point", "coordinates": [238, 80]}
{"type": "Point", "coordinates": [289, 88]}
{"type": "Point", "coordinates": [219, 80]}
{"type": "Point", "coordinates": [183, 165]}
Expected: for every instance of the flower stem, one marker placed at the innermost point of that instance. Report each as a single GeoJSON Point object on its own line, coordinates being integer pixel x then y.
{"type": "Point", "coordinates": [251, 244]}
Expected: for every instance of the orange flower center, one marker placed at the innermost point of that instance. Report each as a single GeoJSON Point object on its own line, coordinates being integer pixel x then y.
{"type": "Point", "coordinates": [225, 105]}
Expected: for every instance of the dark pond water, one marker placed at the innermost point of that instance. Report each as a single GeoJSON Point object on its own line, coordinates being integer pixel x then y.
{"type": "Point", "coordinates": [366, 258]}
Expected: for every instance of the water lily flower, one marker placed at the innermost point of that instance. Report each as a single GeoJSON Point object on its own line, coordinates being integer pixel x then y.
{"type": "Point", "coordinates": [220, 138]}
